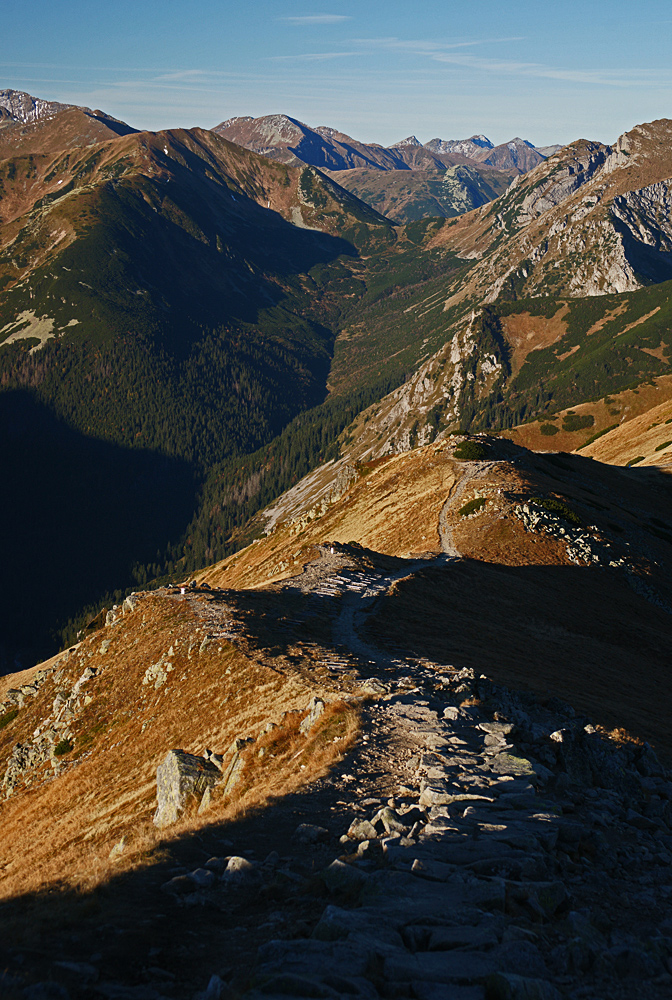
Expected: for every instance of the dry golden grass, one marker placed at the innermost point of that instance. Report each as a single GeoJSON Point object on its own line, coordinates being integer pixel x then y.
{"type": "Point", "coordinates": [393, 509]}
{"type": "Point", "coordinates": [621, 736]}
{"type": "Point", "coordinates": [61, 831]}
{"type": "Point", "coordinates": [290, 760]}
{"type": "Point", "coordinates": [639, 437]}
{"type": "Point", "coordinates": [525, 333]}
{"type": "Point", "coordinates": [513, 610]}
{"type": "Point", "coordinates": [622, 408]}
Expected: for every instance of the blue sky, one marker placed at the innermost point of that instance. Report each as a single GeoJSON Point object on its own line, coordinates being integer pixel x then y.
{"type": "Point", "coordinates": [376, 69]}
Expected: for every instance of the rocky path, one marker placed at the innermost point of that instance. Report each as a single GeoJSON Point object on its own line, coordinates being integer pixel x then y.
{"type": "Point", "coordinates": [478, 845]}
{"type": "Point", "coordinates": [470, 471]}
{"type": "Point", "coordinates": [482, 845]}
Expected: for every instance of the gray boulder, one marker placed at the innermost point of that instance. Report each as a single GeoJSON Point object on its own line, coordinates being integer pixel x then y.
{"type": "Point", "coordinates": [315, 710]}
{"type": "Point", "coordinates": [181, 780]}
{"type": "Point", "coordinates": [308, 833]}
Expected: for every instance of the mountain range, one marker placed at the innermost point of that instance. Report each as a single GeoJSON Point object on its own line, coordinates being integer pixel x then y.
{"type": "Point", "coordinates": [223, 316]}
{"type": "Point", "coordinates": [337, 556]}
{"type": "Point", "coordinates": [431, 185]}
{"type": "Point", "coordinates": [289, 140]}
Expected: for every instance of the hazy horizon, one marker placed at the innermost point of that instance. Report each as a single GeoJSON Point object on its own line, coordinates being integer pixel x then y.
{"type": "Point", "coordinates": [377, 71]}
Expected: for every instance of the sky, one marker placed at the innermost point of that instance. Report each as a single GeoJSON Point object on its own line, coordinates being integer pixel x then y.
{"type": "Point", "coordinates": [379, 70]}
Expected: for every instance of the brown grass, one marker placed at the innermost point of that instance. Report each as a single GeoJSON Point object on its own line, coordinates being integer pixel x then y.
{"type": "Point", "coordinates": [62, 831]}
{"type": "Point", "coordinates": [621, 736]}
{"type": "Point", "coordinates": [616, 447]}
{"type": "Point", "coordinates": [526, 333]}
{"type": "Point", "coordinates": [394, 509]}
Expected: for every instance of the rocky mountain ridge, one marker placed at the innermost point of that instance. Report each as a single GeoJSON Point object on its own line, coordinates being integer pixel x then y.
{"type": "Point", "coordinates": [22, 107]}
{"type": "Point", "coordinates": [591, 221]}
{"type": "Point", "coordinates": [328, 752]}
{"type": "Point", "coordinates": [474, 144]}
{"type": "Point", "coordinates": [290, 141]}
{"type": "Point", "coordinates": [19, 107]}
{"type": "Point", "coordinates": [283, 137]}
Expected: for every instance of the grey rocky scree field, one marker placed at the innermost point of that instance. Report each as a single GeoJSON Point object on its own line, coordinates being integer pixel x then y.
{"type": "Point", "coordinates": [477, 843]}
{"type": "Point", "coordinates": [497, 847]}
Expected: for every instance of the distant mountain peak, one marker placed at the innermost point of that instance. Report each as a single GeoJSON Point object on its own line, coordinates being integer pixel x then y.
{"type": "Point", "coordinates": [410, 140]}
{"type": "Point", "coordinates": [518, 142]}
{"type": "Point", "coordinates": [23, 107]}
{"type": "Point", "coordinates": [465, 147]}
{"type": "Point", "coordinates": [236, 120]}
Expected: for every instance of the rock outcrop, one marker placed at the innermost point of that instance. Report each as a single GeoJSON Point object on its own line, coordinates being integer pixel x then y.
{"type": "Point", "coordinates": [181, 781]}
{"type": "Point", "coordinates": [490, 873]}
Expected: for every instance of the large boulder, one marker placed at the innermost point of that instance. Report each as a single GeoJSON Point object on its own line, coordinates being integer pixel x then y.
{"type": "Point", "coordinates": [181, 780]}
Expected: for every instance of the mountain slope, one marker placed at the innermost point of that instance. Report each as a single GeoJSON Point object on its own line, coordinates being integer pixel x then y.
{"type": "Point", "coordinates": [409, 195]}
{"type": "Point", "coordinates": [584, 222]}
{"type": "Point", "coordinates": [156, 296]}
{"type": "Point", "coordinates": [563, 303]}
{"type": "Point", "coordinates": [518, 688]}
{"type": "Point", "coordinates": [517, 154]}
{"type": "Point", "coordinates": [61, 130]}
{"type": "Point", "coordinates": [290, 141]}
{"type": "Point", "coordinates": [165, 237]}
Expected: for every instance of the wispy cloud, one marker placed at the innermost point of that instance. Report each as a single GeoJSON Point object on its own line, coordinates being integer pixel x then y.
{"type": "Point", "coordinates": [191, 75]}
{"type": "Point", "coordinates": [430, 46]}
{"type": "Point", "coordinates": [316, 19]}
{"type": "Point", "coordinates": [314, 56]}
{"type": "Point", "coordinates": [447, 53]}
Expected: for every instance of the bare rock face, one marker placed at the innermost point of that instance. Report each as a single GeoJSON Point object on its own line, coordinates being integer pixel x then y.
{"type": "Point", "coordinates": [564, 180]}
{"type": "Point", "coordinates": [181, 779]}
{"type": "Point", "coordinates": [23, 107]}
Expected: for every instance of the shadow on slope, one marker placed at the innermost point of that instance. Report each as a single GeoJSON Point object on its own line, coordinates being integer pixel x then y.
{"type": "Point", "coordinates": [78, 513]}
{"type": "Point", "coordinates": [133, 931]}
{"type": "Point", "coordinates": [578, 633]}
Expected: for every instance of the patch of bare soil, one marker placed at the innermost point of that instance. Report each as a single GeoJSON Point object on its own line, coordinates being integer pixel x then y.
{"type": "Point", "coordinates": [611, 412]}
{"type": "Point", "coordinates": [608, 316]}
{"type": "Point", "coordinates": [526, 333]}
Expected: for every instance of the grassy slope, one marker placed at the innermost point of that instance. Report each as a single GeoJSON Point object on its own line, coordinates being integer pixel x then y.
{"type": "Point", "coordinates": [215, 693]}
{"type": "Point", "coordinates": [516, 608]}
{"type": "Point", "coordinates": [409, 195]}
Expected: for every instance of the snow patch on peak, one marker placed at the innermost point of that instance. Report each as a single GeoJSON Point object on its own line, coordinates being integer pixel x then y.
{"type": "Point", "coordinates": [411, 140]}
{"type": "Point", "coordinates": [25, 108]}
{"type": "Point", "coordinates": [237, 120]}
{"type": "Point", "coordinates": [519, 143]}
